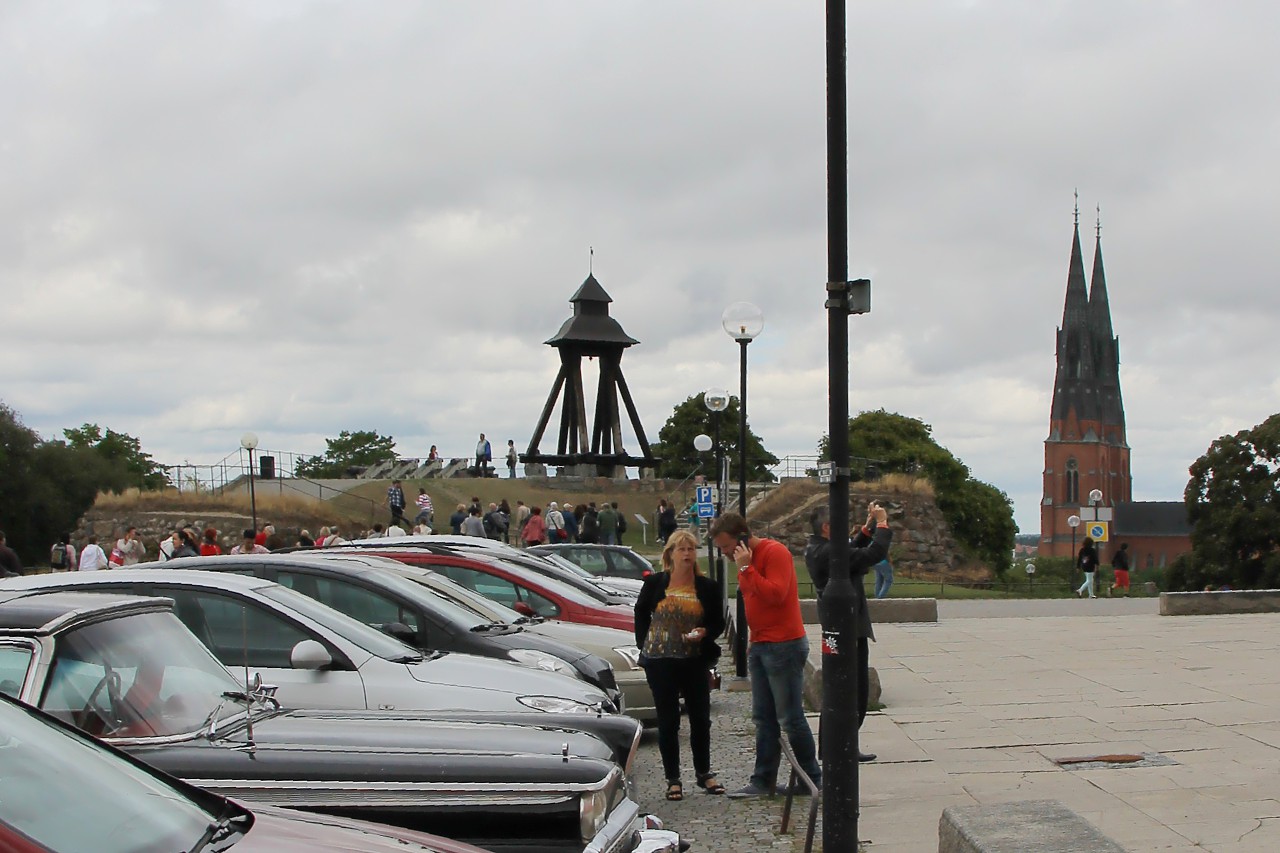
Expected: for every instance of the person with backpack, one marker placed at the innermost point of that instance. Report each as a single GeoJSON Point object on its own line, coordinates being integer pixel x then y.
{"type": "Point", "coordinates": [622, 521]}
{"type": "Point", "coordinates": [62, 556]}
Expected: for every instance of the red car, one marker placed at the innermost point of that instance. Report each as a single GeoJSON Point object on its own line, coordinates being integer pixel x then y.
{"type": "Point", "coordinates": [522, 590]}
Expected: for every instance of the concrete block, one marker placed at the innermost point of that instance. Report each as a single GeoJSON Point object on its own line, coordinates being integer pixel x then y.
{"type": "Point", "coordinates": [813, 686]}
{"type": "Point", "coordinates": [1215, 603]}
{"type": "Point", "coordinates": [1028, 826]}
{"type": "Point", "coordinates": [883, 610]}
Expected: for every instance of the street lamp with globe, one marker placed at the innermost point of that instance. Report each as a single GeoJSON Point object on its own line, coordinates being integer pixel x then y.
{"type": "Point", "coordinates": [743, 322]}
{"type": "Point", "coordinates": [249, 441]}
{"type": "Point", "coordinates": [1073, 521]}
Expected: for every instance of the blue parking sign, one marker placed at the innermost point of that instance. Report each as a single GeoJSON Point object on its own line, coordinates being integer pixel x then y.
{"type": "Point", "coordinates": [702, 495]}
{"type": "Point", "coordinates": [706, 511]}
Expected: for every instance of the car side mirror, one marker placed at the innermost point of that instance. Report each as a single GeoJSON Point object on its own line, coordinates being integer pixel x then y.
{"type": "Point", "coordinates": [310, 654]}
{"type": "Point", "coordinates": [523, 609]}
{"type": "Point", "coordinates": [401, 632]}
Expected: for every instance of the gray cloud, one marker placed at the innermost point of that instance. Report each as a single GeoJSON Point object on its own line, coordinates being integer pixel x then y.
{"type": "Point", "coordinates": [304, 217]}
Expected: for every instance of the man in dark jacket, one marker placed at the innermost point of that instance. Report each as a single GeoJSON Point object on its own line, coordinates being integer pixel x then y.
{"type": "Point", "coordinates": [868, 547]}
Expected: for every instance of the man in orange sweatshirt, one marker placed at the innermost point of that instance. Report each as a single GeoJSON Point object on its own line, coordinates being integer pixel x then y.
{"type": "Point", "coordinates": [779, 650]}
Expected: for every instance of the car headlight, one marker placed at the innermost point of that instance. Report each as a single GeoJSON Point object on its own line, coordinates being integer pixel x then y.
{"type": "Point", "coordinates": [631, 654]}
{"type": "Point", "coordinates": [593, 807]}
{"type": "Point", "coordinates": [543, 661]}
{"type": "Point", "coordinates": [556, 705]}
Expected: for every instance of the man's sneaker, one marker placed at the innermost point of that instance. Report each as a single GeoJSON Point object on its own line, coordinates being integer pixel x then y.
{"type": "Point", "coordinates": [866, 756]}
{"type": "Point", "coordinates": [799, 789]}
{"type": "Point", "coordinates": [751, 790]}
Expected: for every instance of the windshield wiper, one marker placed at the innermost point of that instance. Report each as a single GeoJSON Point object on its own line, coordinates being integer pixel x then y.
{"type": "Point", "coordinates": [219, 829]}
{"type": "Point", "coordinates": [410, 658]}
{"type": "Point", "coordinates": [488, 626]}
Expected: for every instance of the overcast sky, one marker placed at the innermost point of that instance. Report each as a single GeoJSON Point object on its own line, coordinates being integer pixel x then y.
{"type": "Point", "coordinates": [302, 217]}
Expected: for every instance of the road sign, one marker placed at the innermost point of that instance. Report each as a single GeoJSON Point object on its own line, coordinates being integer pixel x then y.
{"type": "Point", "coordinates": [703, 495]}
{"type": "Point", "coordinates": [1097, 531]}
{"type": "Point", "coordinates": [826, 472]}
{"type": "Point", "coordinates": [706, 511]}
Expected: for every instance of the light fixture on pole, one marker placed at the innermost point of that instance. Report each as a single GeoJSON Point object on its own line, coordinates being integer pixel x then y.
{"type": "Point", "coordinates": [249, 441]}
{"type": "Point", "coordinates": [742, 321]}
{"type": "Point", "coordinates": [717, 400]}
{"type": "Point", "coordinates": [1073, 521]}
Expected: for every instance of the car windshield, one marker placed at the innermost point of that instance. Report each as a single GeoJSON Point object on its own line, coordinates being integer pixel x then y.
{"type": "Point", "coordinates": [563, 588]}
{"type": "Point", "coordinates": [143, 675]}
{"type": "Point", "coordinates": [456, 593]}
{"type": "Point", "coordinates": [370, 639]}
{"type": "Point", "coordinates": [568, 565]}
{"type": "Point", "coordinates": [68, 793]}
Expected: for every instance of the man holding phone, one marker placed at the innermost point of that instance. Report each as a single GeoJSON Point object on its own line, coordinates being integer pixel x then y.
{"type": "Point", "coordinates": [868, 547]}
{"type": "Point", "coordinates": [778, 653]}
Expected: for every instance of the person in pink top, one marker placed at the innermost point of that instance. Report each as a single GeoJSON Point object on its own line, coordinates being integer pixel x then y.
{"type": "Point", "coordinates": [535, 529]}
{"type": "Point", "coordinates": [248, 546]}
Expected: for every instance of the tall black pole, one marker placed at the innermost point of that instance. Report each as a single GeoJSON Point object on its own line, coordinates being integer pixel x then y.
{"type": "Point", "coordinates": [840, 699]}
{"type": "Point", "coordinates": [717, 566]}
{"type": "Point", "coordinates": [740, 623]}
{"type": "Point", "coordinates": [253, 501]}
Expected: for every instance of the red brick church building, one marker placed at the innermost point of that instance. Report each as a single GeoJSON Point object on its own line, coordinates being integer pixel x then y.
{"type": "Point", "coordinates": [1087, 452]}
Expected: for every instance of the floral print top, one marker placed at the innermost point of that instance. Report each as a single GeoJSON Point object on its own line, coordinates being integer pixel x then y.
{"type": "Point", "coordinates": [676, 615]}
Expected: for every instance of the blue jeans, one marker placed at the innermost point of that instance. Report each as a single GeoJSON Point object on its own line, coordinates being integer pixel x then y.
{"type": "Point", "coordinates": [777, 705]}
{"type": "Point", "coordinates": [884, 578]}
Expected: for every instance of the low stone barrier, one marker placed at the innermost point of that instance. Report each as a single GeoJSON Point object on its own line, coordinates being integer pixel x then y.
{"type": "Point", "coordinates": [1215, 603]}
{"type": "Point", "coordinates": [883, 610]}
{"type": "Point", "coordinates": [1028, 826]}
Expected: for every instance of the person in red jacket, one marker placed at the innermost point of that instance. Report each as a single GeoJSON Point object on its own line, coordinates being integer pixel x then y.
{"type": "Point", "coordinates": [779, 650]}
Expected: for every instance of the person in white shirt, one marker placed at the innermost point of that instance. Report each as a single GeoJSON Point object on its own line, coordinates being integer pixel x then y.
{"type": "Point", "coordinates": [395, 530]}
{"type": "Point", "coordinates": [92, 557]}
{"type": "Point", "coordinates": [248, 546]}
{"type": "Point", "coordinates": [131, 547]}
{"type": "Point", "coordinates": [555, 523]}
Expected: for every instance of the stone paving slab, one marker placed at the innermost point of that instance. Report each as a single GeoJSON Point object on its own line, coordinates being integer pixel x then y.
{"type": "Point", "coordinates": [978, 708]}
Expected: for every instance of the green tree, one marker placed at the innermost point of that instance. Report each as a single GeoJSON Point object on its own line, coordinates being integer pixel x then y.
{"type": "Point", "coordinates": [1233, 504]}
{"type": "Point", "coordinates": [123, 450]}
{"type": "Point", "coordinates": [675, 442]}
{"type": "Point", "coordinates": [979, 514]}
{"type": "Point", "coordinates": [358, 449]}
{"type": "Point", "coordinates": [45, 487]}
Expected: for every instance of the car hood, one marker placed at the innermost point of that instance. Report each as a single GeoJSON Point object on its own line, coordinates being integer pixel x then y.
{"type": "Point", "coordinates": [502, 677]}
{"type": "Point", "coordinates": [277, 830]}
{"type": "Point", "coordinates": [594, 638]}
{"type": "Point", "coordinates": [294, 752]}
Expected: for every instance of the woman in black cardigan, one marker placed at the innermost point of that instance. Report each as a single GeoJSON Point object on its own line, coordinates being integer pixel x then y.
{"type": "Point", "coordinates": [678, 618]}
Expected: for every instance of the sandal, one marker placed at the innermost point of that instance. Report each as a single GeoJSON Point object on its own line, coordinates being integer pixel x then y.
{"type": "Point", "coordinates": [709, 783]}
{"type": "Point", "coordinates": [675, 791]}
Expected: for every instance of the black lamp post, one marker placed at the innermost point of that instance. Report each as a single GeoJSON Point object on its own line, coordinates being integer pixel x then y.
{"type": "Point", "coordinates": [743, 321]}
{"type": "Point", "coordinates": [249, 442]}
{"type": "Point", "coordinates": [838, 606]}
{"type": "Point", "coordinates": [716, 401]}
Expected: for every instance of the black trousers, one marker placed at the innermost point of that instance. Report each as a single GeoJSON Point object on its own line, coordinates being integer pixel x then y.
{"type": "Point", "coordinates": [669, 678]}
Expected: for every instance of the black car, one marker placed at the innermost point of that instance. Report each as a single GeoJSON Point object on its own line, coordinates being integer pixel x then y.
{"type": "Point", "coordinates": [611, 561]}
{"type": "Point", "coordinates": [119, 804]}
{"type": "Point", "coordinates": [352, 583]}
{"type": "Point", "coordinates": [126, 669]}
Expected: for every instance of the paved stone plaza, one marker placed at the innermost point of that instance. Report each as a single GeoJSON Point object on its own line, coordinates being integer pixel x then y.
{"type": "Point", "coordinates": [980, 705]}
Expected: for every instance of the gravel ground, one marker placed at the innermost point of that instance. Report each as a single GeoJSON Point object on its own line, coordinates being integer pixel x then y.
{"type": "Point", "coordinates": [712, 823]}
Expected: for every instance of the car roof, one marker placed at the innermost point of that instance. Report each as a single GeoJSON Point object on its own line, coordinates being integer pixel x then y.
{"type": "Point", "coordinates": [240, 583]}
{"type": "Point", "coordinates": [547, 583]}
{"type": "Point", "coordinates": [41, 611]}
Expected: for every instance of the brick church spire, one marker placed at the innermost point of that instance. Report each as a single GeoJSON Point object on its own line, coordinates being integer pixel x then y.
{"type": "Point", "coordinates": [1086, 448]}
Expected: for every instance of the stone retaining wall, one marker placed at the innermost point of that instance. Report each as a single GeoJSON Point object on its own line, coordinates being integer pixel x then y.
{"type": "Point", "coordinates": [1215, 603]}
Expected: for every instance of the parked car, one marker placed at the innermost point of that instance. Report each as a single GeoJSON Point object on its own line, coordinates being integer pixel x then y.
{"type": "Point", "coordinates": [584, 582]}
{"type": "Point", "coordinates": [119, 804]}
{"type": "Point", "coordinates": [320, 658]}
{"type": "Point", "coordinates": [603, 561]}
{"type": "Point", "coordinates": [125, 669]}
{"type": "Point", "coordinates": [614, 646]}
{"type": "Point", "coordinates": [361, 588]}
{"type": "Point", "coordinates": [523, 590]}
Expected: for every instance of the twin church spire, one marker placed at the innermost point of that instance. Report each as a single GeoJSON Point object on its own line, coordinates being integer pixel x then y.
{"type": "Point", "coordinates": [1086, 386]}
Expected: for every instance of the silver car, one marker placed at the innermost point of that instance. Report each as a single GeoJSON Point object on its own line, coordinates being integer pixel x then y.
{"type": "Point", "coordinates": [320, 658]}
{"type": "Point", "coordinates": [615, 646]}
